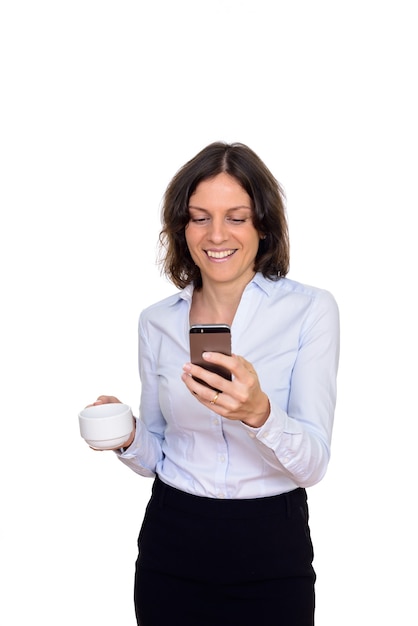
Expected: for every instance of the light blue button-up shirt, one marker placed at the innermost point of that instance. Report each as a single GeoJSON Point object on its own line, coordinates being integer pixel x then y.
{"type": "Point", "coordinates": [290, 334]}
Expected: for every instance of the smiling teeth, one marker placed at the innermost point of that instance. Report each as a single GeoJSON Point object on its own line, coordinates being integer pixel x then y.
{"type": "Point", "coordinates": [219, 255]}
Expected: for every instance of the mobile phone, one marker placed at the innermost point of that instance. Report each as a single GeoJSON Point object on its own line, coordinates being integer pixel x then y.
{"type": "Point", "coordinates": [210, 338]}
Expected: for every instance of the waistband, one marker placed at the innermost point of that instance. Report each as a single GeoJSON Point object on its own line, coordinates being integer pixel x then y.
{"type": "Point", "coordinates": [166, 496]}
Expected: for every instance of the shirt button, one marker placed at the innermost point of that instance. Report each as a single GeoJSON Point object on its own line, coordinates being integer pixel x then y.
{"type": "Point", "coordinates": [250, 434]}
{"type": "Point", "coordinates": [221, 496]}
{"type": "Point", "coordinates": [222, 458]}
{"type": "Point", "coordinates": [215, 422]}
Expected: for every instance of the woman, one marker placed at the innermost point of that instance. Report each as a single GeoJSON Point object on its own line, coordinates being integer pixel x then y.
{"type": "Point", "coordinates": [225, 538]}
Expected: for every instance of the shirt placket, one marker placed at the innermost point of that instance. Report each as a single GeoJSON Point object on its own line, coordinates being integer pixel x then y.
{"type": "Point", "coordinates": [221, 458]}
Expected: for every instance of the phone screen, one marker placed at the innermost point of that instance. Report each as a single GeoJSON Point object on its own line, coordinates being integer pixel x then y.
{"type": "Point", "coordinates": [210, 338]}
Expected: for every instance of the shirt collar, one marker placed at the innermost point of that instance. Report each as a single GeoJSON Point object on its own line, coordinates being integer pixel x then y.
{"type": "Point", "coordinates": [265, 284]}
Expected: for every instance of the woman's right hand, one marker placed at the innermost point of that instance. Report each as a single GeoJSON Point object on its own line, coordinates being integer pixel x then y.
{"type": "Point", "coordinates": [114, 400]}
{"type": "Point", "coordinates": [105, 400]}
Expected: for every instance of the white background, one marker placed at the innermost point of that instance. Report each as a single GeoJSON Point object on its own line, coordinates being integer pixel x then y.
{"type": "Point", "coordinates": [101, 103]}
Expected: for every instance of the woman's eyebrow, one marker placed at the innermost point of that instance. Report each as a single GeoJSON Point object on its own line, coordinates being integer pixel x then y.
{"type": "Point", "coordinates": [233, 208]}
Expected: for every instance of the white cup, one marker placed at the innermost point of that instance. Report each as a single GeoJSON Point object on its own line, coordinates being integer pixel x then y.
{"type": "Point", "coordinates": [106, 426]}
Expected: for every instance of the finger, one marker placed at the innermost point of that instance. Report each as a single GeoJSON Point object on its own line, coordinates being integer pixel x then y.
{"type": "Point", "coordinates": [196, 375]}
{"type": "Point", "coordinates": [245, 372]}
{"type": "Point", "coordinates": [237, 365]}
{"type": "Point", "coordinates": [208, 396]}
{"type": "Point", "coordinates": [226, 361]}
{"type": "Point", "coordinates": [107, 400]}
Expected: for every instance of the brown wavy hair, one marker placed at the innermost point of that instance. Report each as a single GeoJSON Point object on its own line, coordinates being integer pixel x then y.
{"type": "Point", "coordinates": [269, 214]}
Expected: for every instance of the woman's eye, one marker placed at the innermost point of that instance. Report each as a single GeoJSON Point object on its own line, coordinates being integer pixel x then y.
{"type": "Point", "coordinates": [229, 220]}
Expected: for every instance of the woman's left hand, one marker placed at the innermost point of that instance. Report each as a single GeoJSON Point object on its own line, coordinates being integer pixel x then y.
{"type": "Point", "coordinates": [240, 399]}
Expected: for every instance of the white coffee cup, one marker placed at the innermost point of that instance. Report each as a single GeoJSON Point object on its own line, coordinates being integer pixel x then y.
{"type": "Point", "coordinates": [106, 426]}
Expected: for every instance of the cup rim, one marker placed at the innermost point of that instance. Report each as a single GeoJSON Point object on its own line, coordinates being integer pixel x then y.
{"type": "Point", "coordinates": [123, 409]}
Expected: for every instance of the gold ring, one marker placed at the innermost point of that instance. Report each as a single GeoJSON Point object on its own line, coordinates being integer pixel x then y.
{"type": "Point", "coordinates": [215, 397]}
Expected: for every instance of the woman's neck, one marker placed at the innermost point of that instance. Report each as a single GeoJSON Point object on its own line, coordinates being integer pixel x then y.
{"type": "Point", "coordinates": [215, 304]}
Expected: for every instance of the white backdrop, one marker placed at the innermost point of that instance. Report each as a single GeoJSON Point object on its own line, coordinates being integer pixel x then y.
{"type": "Point", "coordinates": [101, 102]}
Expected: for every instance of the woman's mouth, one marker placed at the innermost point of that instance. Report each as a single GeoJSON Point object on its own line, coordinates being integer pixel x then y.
{"type": "Point", "coordinates": [220, 254]}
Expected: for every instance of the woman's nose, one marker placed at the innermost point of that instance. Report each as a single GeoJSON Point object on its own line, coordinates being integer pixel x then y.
{"type": "Point", "coordinates": [217, 230]}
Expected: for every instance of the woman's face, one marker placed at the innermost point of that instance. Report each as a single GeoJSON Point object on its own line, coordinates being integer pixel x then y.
{"type": "Point", "coordinates": [220, 234]}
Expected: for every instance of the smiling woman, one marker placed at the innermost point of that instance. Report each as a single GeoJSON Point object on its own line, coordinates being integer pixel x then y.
{"type": "Point", "coordinates": [255, 189]}
{"type": "Point", "coordinates": [226, 529]}
{"type": "Point", "coordinates": [221, 237]}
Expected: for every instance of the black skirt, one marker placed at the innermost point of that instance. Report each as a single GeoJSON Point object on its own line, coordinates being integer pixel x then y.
{"type": "Point", "coordinates": [210, 562]}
